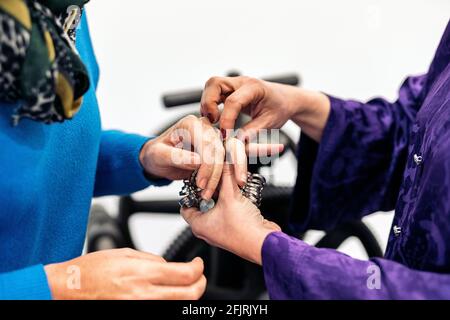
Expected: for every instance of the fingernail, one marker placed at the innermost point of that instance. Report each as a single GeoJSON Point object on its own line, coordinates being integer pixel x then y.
{"type": "Point", "coordinates": [207, 194]}
{"type": "Point", "coordinates": [202, 183]}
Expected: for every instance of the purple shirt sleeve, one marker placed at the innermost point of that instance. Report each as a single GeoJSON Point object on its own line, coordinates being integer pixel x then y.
{"type": "Point", "coordinates": [358, 166]}
{"type": "Point", "coordinates": [295, 270]}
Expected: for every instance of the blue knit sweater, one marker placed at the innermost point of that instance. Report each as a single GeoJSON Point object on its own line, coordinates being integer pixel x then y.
{"type": "Point", "coordinates": [48, 176]}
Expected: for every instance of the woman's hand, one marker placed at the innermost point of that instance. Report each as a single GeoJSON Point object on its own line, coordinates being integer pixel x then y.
{"type": "Point", "coordinates": [125, 274]}
{"type": "Point", "coordinates": [193, 143]}
{"type": "Point", "coordinates": [234, 224]}
{"type": "Point", "coordinates": [270, 105]}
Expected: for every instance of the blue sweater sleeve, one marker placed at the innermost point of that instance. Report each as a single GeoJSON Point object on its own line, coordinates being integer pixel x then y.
{"type": "Point", "coordinates": [25, 284]}
{"type": "Point", "coordinates": [119, 171]}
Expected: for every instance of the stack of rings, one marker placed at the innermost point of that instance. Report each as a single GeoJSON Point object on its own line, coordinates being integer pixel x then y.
{"type": "Point", "coordinates": [254, 187]}
{"type": "Point", "coordinates": [191, 193]}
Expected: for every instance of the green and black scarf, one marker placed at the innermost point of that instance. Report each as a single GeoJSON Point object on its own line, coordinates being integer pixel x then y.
{"type": "Point", "coordinates": [39, 66]}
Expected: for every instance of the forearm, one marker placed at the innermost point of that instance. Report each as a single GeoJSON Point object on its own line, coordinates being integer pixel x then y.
{"type": "Point", "coordinates": [310, 110]}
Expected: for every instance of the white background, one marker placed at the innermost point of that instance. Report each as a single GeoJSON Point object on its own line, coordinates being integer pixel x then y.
{"type": "Point", "coordinates": [349, 48]}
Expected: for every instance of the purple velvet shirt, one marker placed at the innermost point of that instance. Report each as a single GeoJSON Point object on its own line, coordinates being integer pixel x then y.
{"type": "Point", "coordinates": [374, 156]}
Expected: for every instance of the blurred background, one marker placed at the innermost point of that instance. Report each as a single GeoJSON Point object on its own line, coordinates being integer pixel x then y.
{"type": "Point", "coordinates": [349, 48]}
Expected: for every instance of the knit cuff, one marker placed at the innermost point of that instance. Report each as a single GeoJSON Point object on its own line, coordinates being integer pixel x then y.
{"type": "Point", "coordinates": [25, 284]}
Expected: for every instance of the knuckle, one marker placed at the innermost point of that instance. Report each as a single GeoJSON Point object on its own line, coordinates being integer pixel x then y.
{"type": "Point", "coordinates": [189, 119]}
{"type": "Point", "coordinates": [212, 81]}
{"type": "Point", "coordinates": [254, 82]}
{"type": "Point", "coordinates": [242, 80]}
{"type": "Point", "coordinates": [232, 100]}
{"type": "Point", "coordinates": [190, 275]}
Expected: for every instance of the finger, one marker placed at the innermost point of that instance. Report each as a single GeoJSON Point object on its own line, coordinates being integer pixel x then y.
{"type": "Point", "coordinates": [236, 155]}
{"type": "Point", "coordinates": [191, 292]}
{"type": "Point", "coordinates": [238, 100]}
{"type": "Point", "coordinates": [206, 168]}
{"type": "Point", "coordinates": [177, 273]}
{"type": "Point", "coordinates": [201, 137]}
{"type": "Point", "coordinates": [209, 145]}
{"type": "Point", "coordinates": [141, 255]}
{"type": "Point", "coordinates": [263, 149]}
{"type": "Point", "coordinates": [251, 128]}
{"type": "Point", "coordinates": [214, 180]}
{"type": "Point", "coordinates": [216, 89]}
{"type": "Point", "coordinates": [229, 186]}
{"type": "Point", "coordinates": [217, 156]}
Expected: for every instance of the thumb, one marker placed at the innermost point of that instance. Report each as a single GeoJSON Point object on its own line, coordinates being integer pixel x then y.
{"type": "Point", "coordinates": [229, 185]}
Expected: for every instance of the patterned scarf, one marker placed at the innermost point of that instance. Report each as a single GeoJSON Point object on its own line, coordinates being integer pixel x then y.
{"type": "Point", "coordinates": [39, 66]}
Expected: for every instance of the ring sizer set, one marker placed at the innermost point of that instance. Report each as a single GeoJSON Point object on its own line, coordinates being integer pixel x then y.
{"type": "Point", "coordinates": [191, 193]}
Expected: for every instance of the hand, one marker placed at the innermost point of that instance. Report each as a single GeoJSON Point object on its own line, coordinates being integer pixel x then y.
{"type": "Point", "coordinates": [126, 274]}
{"type": "Point", "coordinates": [190, 144]}
{"type": "Point", "coordinates": [234, 224]}
{"type": "Point", "coordinates": [270, 105]}
{"type": "Point", "coordinates": [193, 143]}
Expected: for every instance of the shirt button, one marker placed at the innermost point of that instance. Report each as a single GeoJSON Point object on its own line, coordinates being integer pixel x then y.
{"type": "Point", "coordinates": [397, 230]}
{"type": "Point", "coordinates": [418, 159]}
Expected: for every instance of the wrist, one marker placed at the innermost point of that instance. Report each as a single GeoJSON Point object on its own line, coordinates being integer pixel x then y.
{"type": "Point", "coordinates": [56, 282]}
{"type": "Point", "coordinates": [145, 157]}
{"type": "Point", "coordinates": [312, 109]}
{"type": "Point", "coordinates": [143, 154]}
{"type": "Point", "coordinates": [254, 253]}
{"type": "Point", "coordinates": [301, 102]}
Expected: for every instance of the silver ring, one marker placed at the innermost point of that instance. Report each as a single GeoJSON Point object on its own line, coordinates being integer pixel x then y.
{"type": "Point", "coordinates": [191, 193]}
